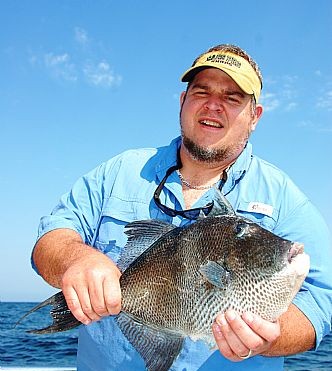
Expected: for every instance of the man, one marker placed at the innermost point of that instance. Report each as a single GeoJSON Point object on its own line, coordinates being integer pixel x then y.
{"type": "Point", "coordinates": [80, 243]}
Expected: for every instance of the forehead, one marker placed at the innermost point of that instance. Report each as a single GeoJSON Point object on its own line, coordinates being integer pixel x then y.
{"type": "Point", "coordinates": [215, 78]}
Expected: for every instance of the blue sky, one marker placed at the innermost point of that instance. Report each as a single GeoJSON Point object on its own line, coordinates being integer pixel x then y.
{"type": "Point", "coordinates": [81, 81]}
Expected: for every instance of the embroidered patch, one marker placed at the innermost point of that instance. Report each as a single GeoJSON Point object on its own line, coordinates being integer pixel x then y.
{"type": "Point", "coordinates": [259, 207]}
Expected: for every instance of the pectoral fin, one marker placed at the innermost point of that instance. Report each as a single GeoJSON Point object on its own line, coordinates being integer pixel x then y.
{"type": "Point", "coordinates": [215, 274]}
{"type": "Point", "coordinates": [159, 349]}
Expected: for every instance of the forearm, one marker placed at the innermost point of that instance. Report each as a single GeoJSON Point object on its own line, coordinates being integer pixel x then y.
{"type": "Point", "coordinates": [296, 334]}
{"type": "Point", "coordinates": [87, 277]}
{"type": "Point", "coordinates": [56, 251]}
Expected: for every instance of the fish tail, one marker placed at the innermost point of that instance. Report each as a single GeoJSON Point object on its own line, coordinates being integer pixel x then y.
{"type": "Point", "coordinates": [63, 319]}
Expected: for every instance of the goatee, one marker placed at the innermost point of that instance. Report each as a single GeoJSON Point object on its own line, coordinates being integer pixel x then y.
{"type": "Point", "coordinates": [213, 155]}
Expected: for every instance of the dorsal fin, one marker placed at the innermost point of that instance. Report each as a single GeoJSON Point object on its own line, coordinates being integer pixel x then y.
{"type": "Point", "coordinates": [141, 235]}
{"type": "Point", "coordinates": [221, 205]}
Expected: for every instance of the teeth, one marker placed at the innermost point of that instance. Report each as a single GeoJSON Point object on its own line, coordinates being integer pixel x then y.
{"type": "Point", "coordinates": [211, 123]}
{"type": "Point", "coordinates": [297, 248]}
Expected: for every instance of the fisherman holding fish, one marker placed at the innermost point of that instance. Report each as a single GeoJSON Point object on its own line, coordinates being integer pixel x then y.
{"type": "Point", "coordinates": [81, 245]}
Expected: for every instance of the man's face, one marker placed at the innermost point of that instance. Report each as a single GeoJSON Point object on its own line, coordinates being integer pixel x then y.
{"type": "Point", "coordinates": [216, 117]}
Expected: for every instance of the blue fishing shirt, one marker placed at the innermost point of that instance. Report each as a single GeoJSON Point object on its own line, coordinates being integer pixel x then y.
{"type": "Point", "coordinates": [120, 190]}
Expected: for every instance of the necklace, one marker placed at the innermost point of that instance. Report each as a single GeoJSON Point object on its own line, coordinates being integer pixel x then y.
{"type": "Point", "coordinates": [191, 186]}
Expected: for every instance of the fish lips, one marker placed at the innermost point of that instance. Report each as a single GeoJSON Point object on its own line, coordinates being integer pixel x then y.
{"type": "Point", "coordinates": [295, 249]}
{"type": "Point", "coordinates": [298, 259]}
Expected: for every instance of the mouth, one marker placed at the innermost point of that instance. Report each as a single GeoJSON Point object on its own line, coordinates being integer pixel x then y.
{"type": "Point", "coordinates": [295, 249]}
{"type": "Point", "coordinates": [299, 261]}
{"type": "Point", "coordinates": [211, 124]}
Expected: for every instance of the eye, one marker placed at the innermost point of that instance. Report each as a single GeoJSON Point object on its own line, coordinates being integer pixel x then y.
{"type": "Point", "coordinates": [200, 93]}
{"type": "Point", "coordinates": [241, 229]}
{"type": "Point", "coordinates": [234, 98]}
{"type": "Point", "coordinates": [231, 98]}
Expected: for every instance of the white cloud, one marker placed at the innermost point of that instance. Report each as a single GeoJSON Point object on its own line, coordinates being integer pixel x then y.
{"type": "Point", "coordinates": [325, 101]}
{"type": "Point", "coordinates": [81, 36]}
{"type": "Point", "coordinates": [269, 101]}
{"type": "Point", "coordinates": [288, 90]}
{"type": "Point", "coordinates": [53, 60]}
{"type": "Point", "coordinates": [269, 81]}
{"type": "Point", "coordinates": [33, 59]}
{"type": "Point", "coordinates": [101, 74]}
{"type": "Point", "coordinates": [60, 66]}
{"type": "Point", "coordinates": [305, 124]}
{"type": "Point", "coordinates": [87, 64]}
{"type": "Point", "coordinates": [280, 92]}
{"type": "Point", "coordinates": [290, 106]}
{"type": "Point", "coordinates": [319, 127]}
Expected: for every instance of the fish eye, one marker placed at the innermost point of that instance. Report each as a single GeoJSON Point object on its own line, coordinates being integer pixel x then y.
{"type": "Point", "coordinates": [241, 229]}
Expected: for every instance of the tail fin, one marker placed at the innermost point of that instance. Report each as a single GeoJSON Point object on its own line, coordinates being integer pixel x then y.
{"type": "Point", "coordinates": [63, 319]}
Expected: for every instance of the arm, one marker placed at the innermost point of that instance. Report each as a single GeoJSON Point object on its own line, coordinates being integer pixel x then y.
{"type": "Point", "coordinates": [297, 334]}
{"type": "Point", "coordinates": [236, 335]}
{"type": "Point", "coordinates": [88, 278]}
{"type": "Point", "coordinates": [308, 319]}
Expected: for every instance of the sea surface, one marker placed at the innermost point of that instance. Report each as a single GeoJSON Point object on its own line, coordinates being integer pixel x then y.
{"type": "Point", "coordinates": [20, 349]}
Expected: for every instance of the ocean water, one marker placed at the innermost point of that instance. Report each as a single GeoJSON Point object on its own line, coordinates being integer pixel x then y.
{"type": "Point", "coordinates": [20, 349]}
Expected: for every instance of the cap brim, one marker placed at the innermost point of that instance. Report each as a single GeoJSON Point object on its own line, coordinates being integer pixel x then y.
{"type": "Point", "coordinates": [193, 71]}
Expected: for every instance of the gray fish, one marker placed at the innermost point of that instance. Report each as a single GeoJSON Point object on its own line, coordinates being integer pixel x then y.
{"type": "Point", "coordinates": [177, 279]}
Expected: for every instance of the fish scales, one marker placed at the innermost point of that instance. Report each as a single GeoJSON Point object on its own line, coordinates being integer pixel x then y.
{"type": "Point", "coordinates": [171, 290]}
{"type": "Point", "coordinates": [176, 280]}
{"type": "Point", "coordinates": [156, 286]}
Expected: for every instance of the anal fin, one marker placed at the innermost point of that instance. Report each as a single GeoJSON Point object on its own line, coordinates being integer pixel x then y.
{"type": "Point", "coordinates": [159, 349]}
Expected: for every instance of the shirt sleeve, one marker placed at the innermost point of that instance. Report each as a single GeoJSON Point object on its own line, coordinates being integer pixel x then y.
{"type": "Point", "coordinates": [305, 224]}
{"type": "Point", "coordinates": [80, 208]}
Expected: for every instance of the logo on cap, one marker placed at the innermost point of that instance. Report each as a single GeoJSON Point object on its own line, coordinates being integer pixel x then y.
{"type": "Point", "coordinates": [225, 59]}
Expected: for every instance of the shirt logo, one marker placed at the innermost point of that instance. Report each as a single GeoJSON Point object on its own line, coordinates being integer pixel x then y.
{"type": "Point", "coordinates": [259, 207]}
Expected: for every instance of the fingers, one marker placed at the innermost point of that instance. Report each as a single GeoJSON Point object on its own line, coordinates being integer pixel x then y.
{"type": "Point", "coordinates": [237, 335]}
{"type": "Point", "coordinates": [223, 345]}
{"type": "Point", "coordinates": [92, 293]}
{"type": "Point", "coordinates": [269, 331]}
{"type": "Point", "coordinates": [236, 338]}
{"type": "Point", "coordinates": [112, 296]}
{"type": "Point", "coordinates": [78, 305]}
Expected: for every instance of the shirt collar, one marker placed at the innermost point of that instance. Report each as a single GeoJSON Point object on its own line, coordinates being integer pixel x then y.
{"type": "Point", "coordinates": [169, 157]}
{"type": "Point", "coordinates": [238, 169]}
{"type": "Point", "coordinates": [236, 172]}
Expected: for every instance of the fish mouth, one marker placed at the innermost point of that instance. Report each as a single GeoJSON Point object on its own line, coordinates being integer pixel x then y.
{"type": "Point", "coordinates": [299, 261]}
{"type": "Point", "coordinates": [295, 249]}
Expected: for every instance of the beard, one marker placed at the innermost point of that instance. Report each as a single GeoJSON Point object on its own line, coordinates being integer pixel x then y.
{"type": "Point", "coordinates": [208, 155]}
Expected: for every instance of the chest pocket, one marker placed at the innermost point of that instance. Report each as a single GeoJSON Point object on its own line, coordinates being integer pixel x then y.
{"type": "Point", "coordinates": [265, 218]}
{"type": "Point", "coordinates": [109, 236]}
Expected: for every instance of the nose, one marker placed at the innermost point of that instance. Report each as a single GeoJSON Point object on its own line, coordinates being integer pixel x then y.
{"type": "Point", "coordinates": [213, 103]}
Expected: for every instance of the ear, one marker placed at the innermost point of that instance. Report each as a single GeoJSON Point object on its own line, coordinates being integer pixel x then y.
{"type": "Point", "coordinates": [258, 114]}
{"type": "Point", "coordinates": [182, 97]}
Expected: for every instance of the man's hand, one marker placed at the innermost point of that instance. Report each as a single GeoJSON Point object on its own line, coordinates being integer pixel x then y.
{"type": "Point", "coordinates": [91, 288]}
{"type": "Point", "coordinates": [237, 335]}
{"type": "Point", "coordinates": [88, 278]}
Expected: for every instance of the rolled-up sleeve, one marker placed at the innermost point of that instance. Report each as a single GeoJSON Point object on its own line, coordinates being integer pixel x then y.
{"type": "Point", "coordinates": [306, 225]}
